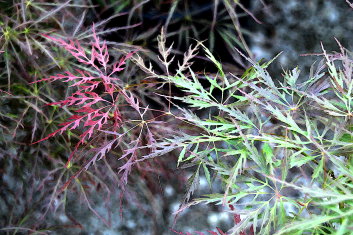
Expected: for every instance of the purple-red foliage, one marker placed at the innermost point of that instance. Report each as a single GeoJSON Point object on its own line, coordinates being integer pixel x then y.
{"type": "Point", "coordinates": [92, 110]}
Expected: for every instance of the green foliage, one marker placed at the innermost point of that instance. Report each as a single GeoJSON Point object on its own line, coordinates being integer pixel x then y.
{"type": "Point", "coordinates": [265, 139]}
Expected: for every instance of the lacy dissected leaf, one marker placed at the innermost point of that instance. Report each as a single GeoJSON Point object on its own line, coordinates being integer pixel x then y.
{"type": "Point", "coordinates": [93, 106]}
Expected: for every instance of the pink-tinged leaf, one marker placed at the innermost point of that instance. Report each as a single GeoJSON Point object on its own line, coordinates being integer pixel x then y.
{"type": "Point", "coordinates": [91, 115]}
{"type": "Point", "coordinates": [60, 103]}
{"type": "Point", "coordinates": [51, 78]}
{"type": "Point", "coordinates": [108, 85]}
{"type": "Point", "coordinates": [117, 119]}
{"type": "Point", "coordinates": [85, 87]}
{"type": "Point", "coordinates": [130, 54]}
{"type": "Point", "coordinates": [76, 124]}
{"type": "Point", "coordinates": [126, 169]}
{"type": "Point", "coordinates": [58, 40]}
{"type": "Point", "coordinates": [86, 135]}
{"type": "Point", "coordinates": [85, 110]}
{"type": "Point", "coordinates": [73, 47]}
{"type": "Point", "coordinates": [118, 66]}
{"type": "Point", "coordinates": [99, 52]}
{"type": "Point", "coordinates": [47, 137]}
{"type": "Point", "coordinates": [132, 101]}
{"type": "Point", "coordinates": [61, 130]}
{"type": "Point", "coordinates": [79, 98]}
{"type": "Point", "coordinates": [90, 123]}
{"type": "Point", "coordinates": [68, 76]}
{"type": "Point", "coordinates": [75, 117]}
{"type": "Point", "coordinates": [101, 153]}
{"type": "Point", "coordinates": [72, 154]}
{"type": "Point", "coordinates": [128, 152]}
{"type": "Point", "coordinates": [212, 233]}
{"type": "Point", "coordinates": [151, 140]}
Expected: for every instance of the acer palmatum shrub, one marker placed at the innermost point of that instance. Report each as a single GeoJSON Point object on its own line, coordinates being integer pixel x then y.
{"type": "Point", "coordinates": [102, 107]}
{"type": "Point", "coordinates": [26, 56]}
{"type": "Point", "coordinates": [282, 149]}
{"type": "Point", "coordinates": [111, 124]}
